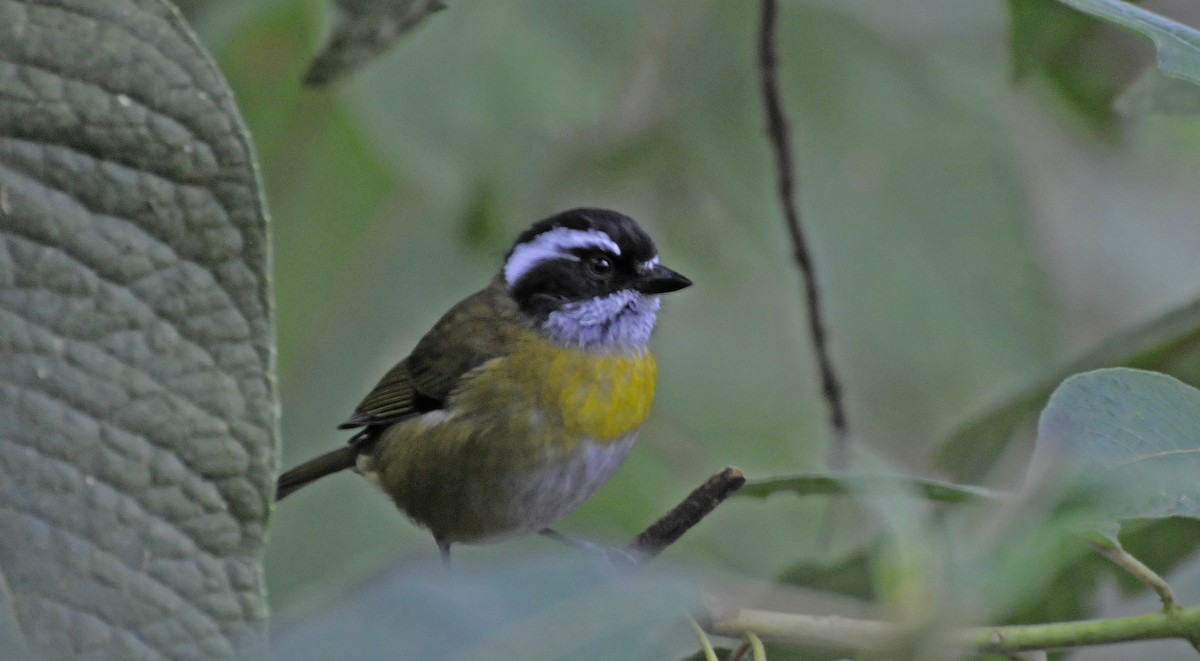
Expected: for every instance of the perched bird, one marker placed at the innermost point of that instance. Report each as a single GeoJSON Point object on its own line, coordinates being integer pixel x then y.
{"type": "Point", "coordinates": [526, 396]}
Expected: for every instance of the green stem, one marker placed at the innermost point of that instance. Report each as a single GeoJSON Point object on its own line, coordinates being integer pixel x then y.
{"type": "Point", "coordinates": [756, 646]}
{"type": "Point", "coordinates": [1182, 623]}
{"type": "Point", "coordinates": [705, 645]}
{"type": "Point", "coordinates": [1112, 549]}
{"type": "Point", "coordinates": [826, 631]}
{"type": "Point", "coordinates": [851, 634]}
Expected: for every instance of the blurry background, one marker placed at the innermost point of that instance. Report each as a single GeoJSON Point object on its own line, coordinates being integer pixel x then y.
{"type": "Point", "coordinates": [969, 233]}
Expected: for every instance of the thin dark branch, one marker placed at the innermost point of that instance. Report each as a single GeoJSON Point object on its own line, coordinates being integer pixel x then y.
{"type": "Point", "coordinates": [698, 504]}
{"type": "Point", "coordinates": [780, 138]}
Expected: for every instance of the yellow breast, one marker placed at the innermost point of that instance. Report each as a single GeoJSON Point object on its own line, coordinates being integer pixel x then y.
{"type": "Point", "coordinates": [603, 397]}
{"type": "Point", "coordinates": [580, 393]}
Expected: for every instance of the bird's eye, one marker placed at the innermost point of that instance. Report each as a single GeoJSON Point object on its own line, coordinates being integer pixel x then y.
{"type": "Point", "coordinates": [599, 266]}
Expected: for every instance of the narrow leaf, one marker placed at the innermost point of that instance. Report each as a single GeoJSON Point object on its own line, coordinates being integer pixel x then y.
{"type": "Point", "coordinates": [137, 407]}
{"type": "Point", "coordinates": [815, 484]}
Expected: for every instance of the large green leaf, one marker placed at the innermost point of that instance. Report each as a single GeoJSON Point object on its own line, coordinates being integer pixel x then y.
{"type": "Point", "coordinates": [137, 403]}
{"type": "Point", "coordinates": [1132, 436]}
{"type": "Point", "coordinates": [12, 641]}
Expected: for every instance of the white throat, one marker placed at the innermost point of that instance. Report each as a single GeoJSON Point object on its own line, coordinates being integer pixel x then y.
{"type": "Point", "coordinates": [624, 319]}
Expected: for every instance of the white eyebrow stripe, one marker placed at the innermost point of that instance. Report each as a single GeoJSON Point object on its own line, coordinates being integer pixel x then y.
{"type": "Point", "coordinates": [554, 244]}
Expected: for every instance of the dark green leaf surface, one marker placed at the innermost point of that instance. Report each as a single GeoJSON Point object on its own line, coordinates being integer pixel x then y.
{"type": "Point", "coordinates": [1168, 343]}
{"type": "Point", "coordinates": [1132, 436]}
{"type": "Point", "coordinates": [137, 408]}
{"type": "Point", "coordinates": [12, 641]}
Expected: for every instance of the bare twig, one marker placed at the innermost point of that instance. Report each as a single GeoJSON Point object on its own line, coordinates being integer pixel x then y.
{"type": "Point", "coordinates": [698, 504]}
{"type": "Point", "coordinates": [780, 138]}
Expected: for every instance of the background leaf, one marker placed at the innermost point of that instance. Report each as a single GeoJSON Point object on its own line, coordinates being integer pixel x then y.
{"type": "Point", "coordinates": [1170, 343]}
{"type": "Point", "coordinates": [1085, 61]}
{"type": "Point", "coordinates": [1131, 435]}
{"type": "Point", "coordinates": [137, 406]}
{"type": "Point", "coordinates": [1178, 45]}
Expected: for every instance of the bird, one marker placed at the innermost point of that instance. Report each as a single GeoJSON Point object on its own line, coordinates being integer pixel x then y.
{"type": "Point", "coordinates": [526, 396]}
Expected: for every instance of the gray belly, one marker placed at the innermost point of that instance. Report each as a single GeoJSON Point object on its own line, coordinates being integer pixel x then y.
{"type": "Point", "coordinates": [481, 500]}
{"type": "Point", "coordinates": [545, 496]}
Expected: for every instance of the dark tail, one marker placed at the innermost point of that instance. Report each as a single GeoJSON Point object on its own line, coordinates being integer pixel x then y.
{"type": "Point", "coordinates": [314, 469]}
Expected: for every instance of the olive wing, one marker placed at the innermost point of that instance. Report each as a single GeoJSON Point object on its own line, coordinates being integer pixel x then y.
{"type": "Point", "coordinates": [476, 330]}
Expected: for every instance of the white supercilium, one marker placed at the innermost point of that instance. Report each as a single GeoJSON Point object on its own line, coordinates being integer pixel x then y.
{"type": "Point", "coordinates": [554, 244]}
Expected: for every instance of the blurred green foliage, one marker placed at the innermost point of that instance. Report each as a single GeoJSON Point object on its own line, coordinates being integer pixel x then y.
{"type": "Point", "coordinates": [968, 237]}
